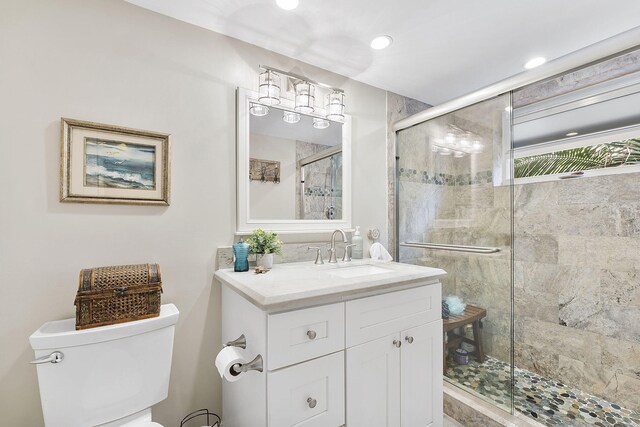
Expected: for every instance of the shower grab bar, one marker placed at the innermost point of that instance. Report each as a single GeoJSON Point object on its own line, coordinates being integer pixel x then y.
{"type": "Point", "coordinates": [456, 248]}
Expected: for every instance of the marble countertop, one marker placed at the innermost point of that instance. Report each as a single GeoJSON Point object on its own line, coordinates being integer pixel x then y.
{"type": "Point", "coordinates": [303, 284]}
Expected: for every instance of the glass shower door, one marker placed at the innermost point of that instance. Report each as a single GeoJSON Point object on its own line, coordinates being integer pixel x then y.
{"type": "Point", "coordinates": [454, 213]}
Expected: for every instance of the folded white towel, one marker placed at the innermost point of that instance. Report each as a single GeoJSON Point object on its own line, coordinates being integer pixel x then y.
{"type": "Point", "coordinates": [379, 253]}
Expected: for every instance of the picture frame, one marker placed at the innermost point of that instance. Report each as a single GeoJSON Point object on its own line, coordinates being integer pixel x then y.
{"type": "Point", "coordinates": [110, 164]}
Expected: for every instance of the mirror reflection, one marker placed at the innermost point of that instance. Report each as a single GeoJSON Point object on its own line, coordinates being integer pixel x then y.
{"type": "Point", "coordinates": [295, 167]}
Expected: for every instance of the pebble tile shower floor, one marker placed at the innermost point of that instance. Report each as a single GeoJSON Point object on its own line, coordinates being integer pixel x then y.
{"type": "Point", "coordinates": [549, 402]}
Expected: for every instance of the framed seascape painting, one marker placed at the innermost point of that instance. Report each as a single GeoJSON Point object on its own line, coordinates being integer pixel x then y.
{"type": "Point", "coordinates": [111, 164]}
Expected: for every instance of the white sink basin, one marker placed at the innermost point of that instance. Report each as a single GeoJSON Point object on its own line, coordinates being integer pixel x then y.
{"type": "Point", "coordinates": [359, 271]}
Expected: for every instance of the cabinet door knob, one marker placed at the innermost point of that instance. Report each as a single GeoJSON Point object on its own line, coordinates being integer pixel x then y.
{"type": "Point", "coordinates": [311, 335]}
{"type": "Point", "coordinates": [409, 339]}
{"type": "Point", "coordinates": [397, 343]}
{"type": "Point", "coordinates": [312, 402]}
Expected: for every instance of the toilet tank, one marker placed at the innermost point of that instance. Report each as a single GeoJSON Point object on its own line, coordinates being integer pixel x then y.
{"type": "Point", "coordinates": [107, 373]}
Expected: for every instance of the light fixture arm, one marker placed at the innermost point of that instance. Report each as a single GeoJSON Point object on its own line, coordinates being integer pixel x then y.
{"type": "Point", "coordinates": [299, 77]}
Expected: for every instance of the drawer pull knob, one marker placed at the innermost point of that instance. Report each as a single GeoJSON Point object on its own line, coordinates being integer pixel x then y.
{"type": "Point", "coordinates": [397, 343]}
{"type": "Point", "coordinates": [409, 339]}
{"type": "Point", "coordinates": [312, 402]}
{"type": "Point", "coordinates": [311, 335]}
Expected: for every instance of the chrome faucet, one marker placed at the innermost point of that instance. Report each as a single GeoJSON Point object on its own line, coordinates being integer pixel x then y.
{"type": "Point", "coordinates": [332, 250]}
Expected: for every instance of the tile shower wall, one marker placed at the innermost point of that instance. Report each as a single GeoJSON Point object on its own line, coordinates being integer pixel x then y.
{"type": "Point", "coordinates": [577, 283]}
{"type": "Point", "coordinates": [577, 262]}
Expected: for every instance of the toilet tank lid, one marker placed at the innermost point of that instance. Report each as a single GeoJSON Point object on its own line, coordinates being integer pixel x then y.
{"type": "Point", "coordinates": [62, 333]}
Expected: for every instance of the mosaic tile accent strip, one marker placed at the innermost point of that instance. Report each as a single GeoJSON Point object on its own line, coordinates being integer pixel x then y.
{"type": "Point", "coordinates": [548, 401]}
{"type": "Point", "coordinates": [424, 177]}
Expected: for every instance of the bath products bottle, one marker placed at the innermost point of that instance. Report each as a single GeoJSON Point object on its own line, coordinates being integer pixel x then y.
{"type": "Point", "coordinates": [357, 241]}
{"type": "Point", "coordinates": [241, 255]}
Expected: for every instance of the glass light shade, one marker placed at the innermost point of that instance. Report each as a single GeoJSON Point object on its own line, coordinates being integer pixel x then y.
{"type": "Point", "coordinates": [269, 88]}
{"type": "Point", "coordinates": [335, 106]}
{"type": "Point", "coordinates": [258, 110]}
{"type": "Point", "coordinates": [458, 154]}
{"type": "Point", "coordinates": [320, 123]}
{"type": "Point", "coordinates": [305, 97]}
{"type": "Point", "coordinates": [445, 152]}
{"type": "Point", "coordinates": [290, 117]}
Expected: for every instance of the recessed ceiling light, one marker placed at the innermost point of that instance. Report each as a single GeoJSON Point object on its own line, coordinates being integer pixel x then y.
{"type": "Point", "coordinates": [287, 4]}
{"type": "Point", "coordinates": [572, 133]}
{"type": "Point", "coordinates": [535, 62]}
{"type": "Point", "coordinates": [381, 42]}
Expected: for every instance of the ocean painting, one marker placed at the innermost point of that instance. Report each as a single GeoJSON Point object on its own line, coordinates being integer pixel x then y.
{"type": "Point", "coordinates": [115, 164]}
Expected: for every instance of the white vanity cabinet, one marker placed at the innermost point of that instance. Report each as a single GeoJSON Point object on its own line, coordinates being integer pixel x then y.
{"type": "Point", "coordinates": [358, 359]}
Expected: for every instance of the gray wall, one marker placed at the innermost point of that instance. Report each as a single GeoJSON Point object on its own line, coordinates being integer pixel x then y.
{"type": "Point", "coordinates": [111, 62]}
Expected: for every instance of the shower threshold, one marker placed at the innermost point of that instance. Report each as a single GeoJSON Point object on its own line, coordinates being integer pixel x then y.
{"type": "Point", "coordinates": [548, 401]}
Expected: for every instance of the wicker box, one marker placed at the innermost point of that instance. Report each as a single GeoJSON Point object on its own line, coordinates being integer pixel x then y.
{"type": "Point", "coordinates": [116, 294]}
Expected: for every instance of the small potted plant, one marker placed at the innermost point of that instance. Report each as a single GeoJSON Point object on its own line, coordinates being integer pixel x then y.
{"type": "Point", "coordinates": [264, 244]}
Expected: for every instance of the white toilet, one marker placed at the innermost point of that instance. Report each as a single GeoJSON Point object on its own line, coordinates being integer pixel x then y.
{"type": "Point", "coordinates": [108, 376]}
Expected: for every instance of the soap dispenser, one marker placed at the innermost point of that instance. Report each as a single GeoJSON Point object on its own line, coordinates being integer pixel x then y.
{"type": "Point", "coordinates": [356, 252]}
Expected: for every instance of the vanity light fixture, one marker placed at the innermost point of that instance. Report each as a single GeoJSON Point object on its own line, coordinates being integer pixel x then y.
{"type": "Point", "coordinates": [335, 106]}
{"type": "Point", "coordinates": [269, 88]}
{"type": "Point", "coordinates": [535, 62]}
{"type": "Point", "coordinates": [305, 97]}
{"type": "Point", "coordinates": [290, 117]}
{"type": "Point", "coordinates": [287, 4]}
{"type": "Point", "coordinates": [381, 42]}
{"type": "Point", "coordinates": [320, 123]}
{"type": "Point", "coordinates": [258, 110]}
{"type": "Point", "coordinates": [574, 133]}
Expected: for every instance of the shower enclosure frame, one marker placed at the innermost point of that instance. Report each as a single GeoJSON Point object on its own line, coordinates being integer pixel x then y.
{"type": "Point", "coordinates": [610, 47]}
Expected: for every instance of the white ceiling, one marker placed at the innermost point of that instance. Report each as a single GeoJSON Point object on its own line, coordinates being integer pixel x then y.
{"type": "Point", "coordinates": [442, 48]}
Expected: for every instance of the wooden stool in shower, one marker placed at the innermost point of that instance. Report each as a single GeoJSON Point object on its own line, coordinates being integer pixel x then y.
{"type": "Point", "coordinates": [471, 315]}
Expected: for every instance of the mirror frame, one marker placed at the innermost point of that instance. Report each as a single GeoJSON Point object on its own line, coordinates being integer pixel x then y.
{"type": "Point", "coordinates": [244, 224]}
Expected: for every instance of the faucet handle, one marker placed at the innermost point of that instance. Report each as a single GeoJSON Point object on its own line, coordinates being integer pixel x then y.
{"type": "Point", "coordinates": [347, 256]}
{"type": "Point", "coordinates": [318, 249]}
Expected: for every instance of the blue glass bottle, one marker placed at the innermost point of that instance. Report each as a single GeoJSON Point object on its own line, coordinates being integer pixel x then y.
{"type": "Point", "coordinates": [241, 255]}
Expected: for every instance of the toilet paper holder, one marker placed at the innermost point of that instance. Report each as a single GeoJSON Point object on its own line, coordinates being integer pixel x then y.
{"type": "Point", "coordinates": [241, 342]}
{"type": "Point", "coordinates": [255, 365]}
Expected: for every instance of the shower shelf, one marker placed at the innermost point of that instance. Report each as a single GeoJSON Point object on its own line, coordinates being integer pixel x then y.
{"type": "Point", "coordinates": [446, 247]}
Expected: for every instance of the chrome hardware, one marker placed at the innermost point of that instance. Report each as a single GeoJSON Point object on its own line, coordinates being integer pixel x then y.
{"type": "Point", "coordinates": [318, 249]}
{"type": "Point", "coordinates": [311, 335]}
{"type": "Point", "coordinates": [347, 255]}
{"type": "Point", "coordinates": [255, 365]}
{"type": "Point", "coordinates": [408, 339]}
{"type": "Point", "coordinates": [55, 357]}
{"type": "Point", "coordinates": [332, 249]}
{"type": "Point", "coordinates": [312, 402]}
{"type": "Point", "coordinates": [241, 342]}
{"type": "Point", "coordinates": [397, 343]}
{"type": "Point", "coordinates": [455, 248]}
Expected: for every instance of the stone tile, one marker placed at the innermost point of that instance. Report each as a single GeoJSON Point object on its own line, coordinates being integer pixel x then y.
{"type": "Point", "coordinates": [535, 247]}
{"type": "Point", "coordinates": [536, 305]}
{"type": "Point", "coordinates": [620, 189]}
{"type": "Point", "coordinates": [570, 342]}
{"type": "Point", "coordinates": [621, 288]}
{"type": "Point", "coordinates": [615, 253]}
{"type": "Point", "coordinates": [579, 295]}
{"type": "Point", "coordinates": [621, 356]}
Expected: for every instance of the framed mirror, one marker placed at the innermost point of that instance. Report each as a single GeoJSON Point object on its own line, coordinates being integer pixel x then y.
{"type": "Point", "coordinates": [294, 169]}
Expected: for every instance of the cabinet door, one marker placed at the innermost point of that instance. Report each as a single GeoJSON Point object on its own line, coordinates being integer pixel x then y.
{"type": "Point", "coordinates": [373, 383]}
{"type": "Point", "coordinates": [421, 373]}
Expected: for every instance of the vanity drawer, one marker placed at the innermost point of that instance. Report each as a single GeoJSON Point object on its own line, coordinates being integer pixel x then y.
{"type": "Point", "coordinates": [310, 394]}
{"type": "Point", "coordinates": [381, 315]}
{"type": "Point", "coordinates": [305, 334]}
